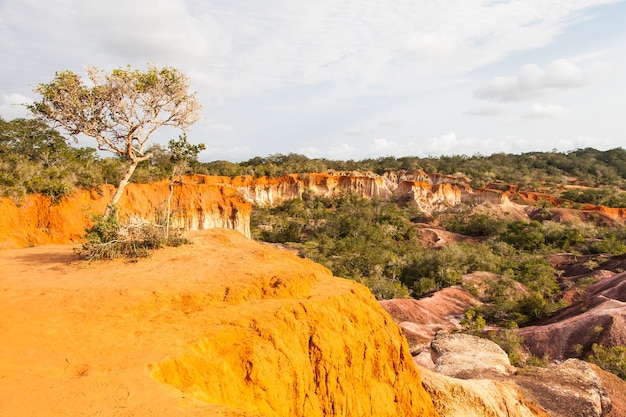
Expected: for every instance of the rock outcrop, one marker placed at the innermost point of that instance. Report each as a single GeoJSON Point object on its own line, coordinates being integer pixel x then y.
{"type": "Point", "coordinates": [420, 320]}
{"type": "Point", "coordinates": [599, 316]}
{"type": "Point", "coordinates": [225, 326]}
{"type": "Point", "coordinates": [455, 397]}
{"type": "Point", "coordinates": [196, 205]}
{"type": "Point", "coordinates": [470, 379]}
{"type": "Point", "coordinates": [571, 388]}
{"type": "Point", "coordinates": [475, 378]}
{"type": "Point", "coordinates": [465, 356]}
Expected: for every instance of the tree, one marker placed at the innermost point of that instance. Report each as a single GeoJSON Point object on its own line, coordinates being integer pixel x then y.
{"type": "Point", "coordinates": [121, 110]}
{"type": "Point", "coordinates": [181, 153]}
{"type": "Point", "coordinates": [37, 159]}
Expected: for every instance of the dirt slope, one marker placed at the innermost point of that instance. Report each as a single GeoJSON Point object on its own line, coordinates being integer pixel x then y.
{"type": "Point", "coordinates": [225, 326]}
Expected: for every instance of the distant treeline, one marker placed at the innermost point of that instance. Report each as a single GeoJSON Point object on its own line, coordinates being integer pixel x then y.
{"type": "Point", "coordinates": [37, 159]}
{"type": "Point", "coordinates": [587, 166]}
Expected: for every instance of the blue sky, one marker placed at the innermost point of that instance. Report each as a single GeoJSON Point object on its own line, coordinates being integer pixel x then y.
{"type": "Point", "coordinates": [348, 79]}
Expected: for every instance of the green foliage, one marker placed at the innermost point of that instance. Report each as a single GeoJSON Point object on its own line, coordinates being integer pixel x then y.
{"type": "Point", "coordinates": [512, 343]}
{"type": "Point", "coordinates": [109, 239]}
{"type": "Point", "coordinates": [604, 196]}
{"type": "Point", "coordinates": [524, 236]}
{"type": "Point", "coordinates": [473, 224]}
{"type": "Point", "coordinates": [37, 159]}
{"type": "Point", "coordinates": [564, 236]}
{"type": "Point", "coordinates": [370, 241]}
{"type": "Point", "coordinates": [611, 359]}
{"type": "Point", "coordinates": [473, 323]}
{"type": "Point", "coordinates": [383, 288]}
{"type": "Point", "coordinates": [612, 242]}
{"type": "Point", "coordinates": [507, 302]}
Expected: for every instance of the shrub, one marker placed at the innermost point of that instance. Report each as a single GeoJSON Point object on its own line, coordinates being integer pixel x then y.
{"type": "Point", "coordinates": [611, 359]}
{"type": "Point", "coordinates": [512, 343]}
{"type": "Point", "coordinates": [108, 239]}
{"type": "Point", "coordinates": [383, 288]}
{"type": "Point", "coordinates": [474, 225]}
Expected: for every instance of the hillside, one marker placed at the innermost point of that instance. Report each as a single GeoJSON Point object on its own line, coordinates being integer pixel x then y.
{"type": "Point", "coordinates": [228, 326]}
{"type": "Point", "coordinates": [224, 326]}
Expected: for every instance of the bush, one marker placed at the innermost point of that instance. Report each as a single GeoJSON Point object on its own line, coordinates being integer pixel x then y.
{"type": "Point", "coordinates": [524, 236]}
{"type": "Point", "coordinates": [512, 343]}
{"type": "Point", "coordinates": [611, 359]}
{"type": "Point", "coordinates": [108, 239]}
{"type": "Point", "coordinates": [383, 288]}
{"type": "Point", "coordinates": [474, 225]}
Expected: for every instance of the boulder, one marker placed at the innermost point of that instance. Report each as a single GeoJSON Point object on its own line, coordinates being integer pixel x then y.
{"type": "Point", "coordinates": [421, 319]}
{"type": "Point", "coordinates": [567, 389]}
{"type": "Point", "coordinates": [469, 357]}
{"type": "Point", "coordinates": [455, 397]}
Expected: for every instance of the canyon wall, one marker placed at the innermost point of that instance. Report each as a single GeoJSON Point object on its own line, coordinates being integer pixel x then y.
{"type": "Point", "coordinates": [37, 220]}
{"type": "Point", "coordinates": [206, 202]}
{"type": "Point", "coordinates": [428, 191]}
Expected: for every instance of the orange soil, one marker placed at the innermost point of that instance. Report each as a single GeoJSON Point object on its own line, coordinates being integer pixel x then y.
{"type": "Point", "coordinates": [231, 326]}
{"type": "Point", "coordinates": [36, 220]}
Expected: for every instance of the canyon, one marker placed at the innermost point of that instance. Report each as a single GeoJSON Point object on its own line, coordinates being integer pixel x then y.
{"type": "Point", "coordinates": [203, 202]}
{"type": "Point", "coordinates": [229, 326]}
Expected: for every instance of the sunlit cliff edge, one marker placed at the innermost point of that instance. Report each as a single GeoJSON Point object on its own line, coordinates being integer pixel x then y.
{"type": "Point", "coordinates": [38, 220]}
{"type": "Point", "coordinates": [224, 326]}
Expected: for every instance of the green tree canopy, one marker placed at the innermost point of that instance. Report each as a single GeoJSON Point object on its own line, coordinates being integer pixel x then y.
{"type": "Point", "coordinates": [120, 110]}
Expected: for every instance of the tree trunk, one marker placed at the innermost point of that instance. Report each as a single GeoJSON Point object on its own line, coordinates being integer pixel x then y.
{"type": "Point", "coordinates": [169, 204]}
{"type": "Point", "coordinates": [120, 188]}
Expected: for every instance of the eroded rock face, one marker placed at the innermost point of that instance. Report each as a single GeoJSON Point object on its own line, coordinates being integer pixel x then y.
{"type": "Point", "coordinates": [616, 388]}
{"type": "Point", "coordinates": [465, 356]}
{"type": "Point", "coordinates": [196, 205]}
{"type": "Point", "coordinates": [204, 202]}
{"type": "Point", "coordinates": [455, 397]}
{"type": "Point", "coordinates": [421, 319]}
{"type": "Point", "coordinates": [223, 327]}
{"type": "Point", "coordinates": [599, 317]}
{"type": "Point", "coordinates": [429, 192]}
{"type": "Point", "coordinates": [571, 388]}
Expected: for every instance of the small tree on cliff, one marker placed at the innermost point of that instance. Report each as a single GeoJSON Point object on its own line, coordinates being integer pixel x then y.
{"type": "Point", "coordinates": [181, 154]}
{"type": "Point", "coordinates": [121, 110]}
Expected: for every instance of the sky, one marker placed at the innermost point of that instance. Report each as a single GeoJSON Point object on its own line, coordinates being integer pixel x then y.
{"type": "Point", "coordinates": [347, 79]}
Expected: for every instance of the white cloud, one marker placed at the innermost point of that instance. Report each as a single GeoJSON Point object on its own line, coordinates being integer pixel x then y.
{"type": "Point", "coordinates": [380, 145]}
{"type": "Point", "coordinates": [446, 144]}
{"type": "Point", "coordinates": [343, 151]}
{"type": "Point", "coordinates": [312, 151]}
{"type": "Point", "coordinates": [226, 151]}
{"type": "Point", "coordinates": [286, 73]}
{"type": "Point", "coordinates": [550, 111]}
{"type": "Point", "coordinates": [14, 106]}
{"type": "Point", "coordinates": [532, 81]}
{"type": "Point", "coordinates": [238, 48]}
{"type": "Point", "coordinates": [160, 30]}
{"type": "Point", "coordinates": [490, 110]}
{"type": "Point", "coordinates": [220, 127]}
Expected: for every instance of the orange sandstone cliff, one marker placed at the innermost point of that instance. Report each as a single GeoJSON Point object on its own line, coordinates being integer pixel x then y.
{"type": "Point", "coordinates": [206, 202]}
{"type": "Point", "coordinates": [224, 326]}
{"type": "Point", "coordinates": [37, 220]}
